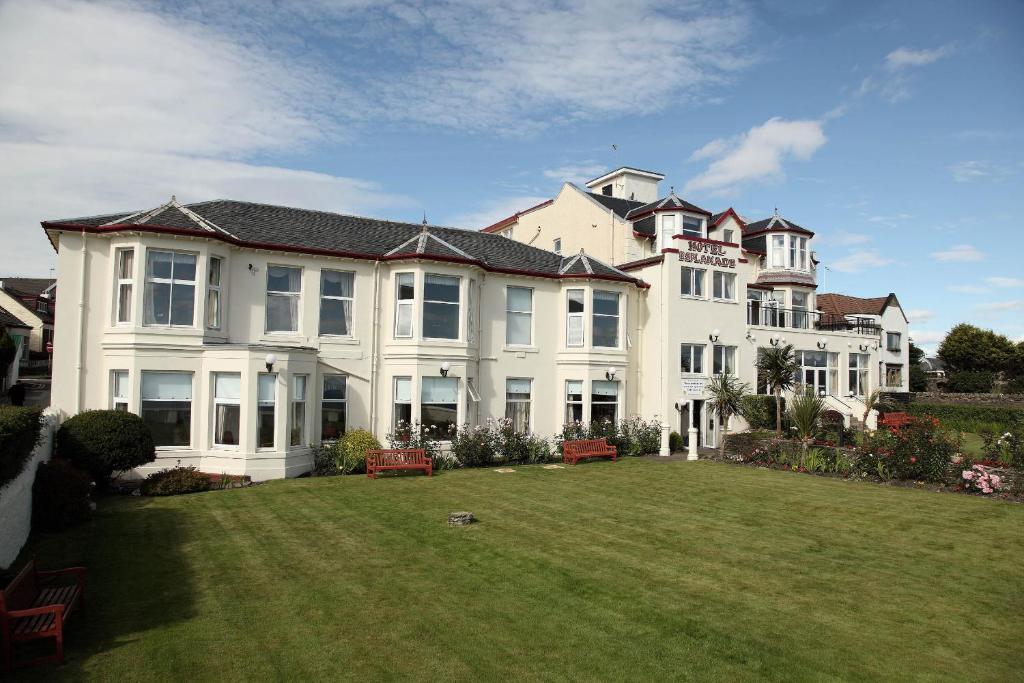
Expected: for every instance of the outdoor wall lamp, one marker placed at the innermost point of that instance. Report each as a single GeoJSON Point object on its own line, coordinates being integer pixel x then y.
{"type": "Point", "coordinates": [774, 340]}
{"type": "Point", "coordinates": [445, 367]}
{"type": "Point", "coordinates": [875, 346]}
{"type": "Point", "coordinates": [822, 343]}
{"type": "Point", "coordinates": [610, 374]}
{"type": "Point", "coordinates": [751, 337]}
{"type": "Point", "coordinates": [714, 335]}
{"type": "Point", "coordinates": [270, 360]}
{"type": "Point", "coordinates": [863, 347]}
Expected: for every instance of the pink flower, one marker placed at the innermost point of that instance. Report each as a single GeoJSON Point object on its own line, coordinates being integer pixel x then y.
{"type": "Point", "coordinates": [986, 490]}
{"type": "Point", "coordinates": [968, 475]}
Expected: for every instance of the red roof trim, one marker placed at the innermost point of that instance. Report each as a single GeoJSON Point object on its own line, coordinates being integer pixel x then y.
{"type": "Point", "coordinates": [267, 246]}
{"type": "Point", "coordinates": [725, 214]}
{"type": "Point", "coordinates": [641, 263]}
{"type": "Point", "coordinates": [495, 227]}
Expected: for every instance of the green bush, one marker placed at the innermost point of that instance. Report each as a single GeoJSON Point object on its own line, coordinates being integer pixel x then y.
{"type": "Point", "coordinates": [19, 434]}
{"type": "Point", "coordinates": [633, 436]}
{"type": "Point", "coordinates": [102, 442]}
{"type": "Point", "coordinates": [1014, 386]}
{"type": "Point", "coordinates": [676, 442]}
{"type": "Point", "coordinates": [351, 450]}
{"type": "Point", "coordinates": [60, 496]}
{"type": "Point", "coordinates": [175, 481]}
{"type": "Point", "coordinates": [971, 382]}
{"type": "Point", "coordinates": [967, 417]}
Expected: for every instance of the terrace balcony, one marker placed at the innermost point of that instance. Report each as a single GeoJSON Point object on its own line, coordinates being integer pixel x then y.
{"type": "Point", "coordinates": [758, 314]}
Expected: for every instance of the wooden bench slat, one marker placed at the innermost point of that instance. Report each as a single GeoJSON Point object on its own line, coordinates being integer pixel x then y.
{"type": "Point", "coordinates": [26, 593]}
{"type": "Point", "coordinates": [379, 460]}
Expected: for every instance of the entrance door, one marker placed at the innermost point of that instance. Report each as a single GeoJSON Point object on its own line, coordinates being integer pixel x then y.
{"type": "Point", "coordinates": [684, 423]}
{"type": "Point", "coordinates": [817, 379]}
{"type": "Point", "coordinates": [705, 425]}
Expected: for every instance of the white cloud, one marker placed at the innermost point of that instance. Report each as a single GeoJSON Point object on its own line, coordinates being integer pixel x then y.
{"type": "Point", "coordinates": [756, 155]}
{"type": "Point", "coordinates": [1006, 282]}
{"type": "Point", "coordinates": [849, 239]}
{"type": "Point", "coordinates": [966, 289]}
{"type": "Point", "coordinates": [493, 211]}
{"type": "Point", "coordinates": [920, 315]}
{"type": "Point", "coordinates": [968, 171]}
{"type": "Point", "coordinates": [1001, 305]}
{"type": "Point", "coordinates": [905, 57]}
{"type": "Point", "coordinates": [960, 253]}
{"type": "Point", "coordinates": [576, 173]}
{"type": "Point", "coordinates": [928, 340]}
{"type": "Point", "coordinates": [860, 260]}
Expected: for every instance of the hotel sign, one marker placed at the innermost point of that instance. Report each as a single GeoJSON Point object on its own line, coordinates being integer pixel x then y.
{"type": "Point", "coordinates": [706, 253]}
{"type": "Point", "coordinates": [694, 386]}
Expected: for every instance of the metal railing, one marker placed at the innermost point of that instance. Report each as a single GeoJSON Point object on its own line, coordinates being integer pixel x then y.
{"type": "Point", "coordinates": [800, 319]}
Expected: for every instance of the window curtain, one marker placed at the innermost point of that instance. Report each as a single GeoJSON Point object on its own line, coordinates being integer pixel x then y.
{"type": "Point", "coordinates": [166, 386]}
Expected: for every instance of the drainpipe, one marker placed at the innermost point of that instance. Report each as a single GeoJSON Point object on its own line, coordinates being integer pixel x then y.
{"type": "Point", "coordinates": [374, 338]}
{"type": "Point", "coordinates": [81, 331]}
{"type": "Point", "coordinates": [665, 427]}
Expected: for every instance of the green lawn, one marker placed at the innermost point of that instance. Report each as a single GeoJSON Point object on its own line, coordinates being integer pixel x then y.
{"type": "Point", "coordinates": [633, 570]}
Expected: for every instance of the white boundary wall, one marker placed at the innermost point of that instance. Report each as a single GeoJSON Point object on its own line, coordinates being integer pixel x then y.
{"type": "Point", "coordinates": [16, 497]}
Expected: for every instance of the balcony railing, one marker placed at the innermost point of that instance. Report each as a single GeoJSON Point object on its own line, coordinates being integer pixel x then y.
{"type": "Point", "coordinates": [800, 319]}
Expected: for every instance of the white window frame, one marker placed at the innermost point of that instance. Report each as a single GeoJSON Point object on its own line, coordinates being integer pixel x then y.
{"type": "Point", "coordinates": [803, 252]}
{"type": "Point", "coordinates": [191, 404]}
{"type": "Point", "coordinates": [298, 399]}
{"type": "Point", "coordinates": [407, 305]}
{"type": "Point", "coordinates": [858, 375]}
{"type": "Point", "coordinates": [898, 367]}
{"type": "Point", "coordinates": [458, 407]}
{"type": "Point", "coordinates": [333, 297]}
{"type": "Point", "coordinates": [723, 356]}
{"type": "Point", "coordinates": [618, 395]}
{"type": "Point", "coordinates": [213, 293]}
{"type": "Point", "coordinates": [171, 281]}
{"type": "Point", "coordinates": [888, 342]}
{"type": "Point", "coordinates": [617, 316]}
{"type": "Point", "coordinates": [511, 313]}
{"type": "Point", "coordinates": [285, 295]}
{"type": "Point", "coordinates": [556, 245]}
{"type": "Point", "coordinates": [580, 402]}
{"type": "Point", "coordinates": [220, 400]}
{"type": "Point", "coordinates": [263, 403]}
{"type": "Point", "coordinates": [693, 276]}
{"type": "Point", "coordinates": [124, 283]}
{"type": "Point", "coordinates": [723, 275]}
{"type": "Point", "coordinates": [727, 235]}
{"type": "Point", "coordinates": [690, 232]}
{"type": "Point", "coordinates": [456, 304]}
{"type": "Point", "coordinates": [119, 399]}
{"type": "Point", "coordinates": [693, 356]}
{"type": "Point", "coordinates": [581, 316]}
{"type": "Point", "coordinates": [528, 401]}
{"type": "Point", "coordinates": [395, 402]}
{"type": "Point", "coordinates": [669, 229]}
{"type": "Point", "coordinates": [333, 401]}
{"type": "Point", "coordinates": [777, 245]}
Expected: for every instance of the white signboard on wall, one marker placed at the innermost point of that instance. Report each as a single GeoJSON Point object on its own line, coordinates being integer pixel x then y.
{"type": "Point", "coordinates": [694, 386]}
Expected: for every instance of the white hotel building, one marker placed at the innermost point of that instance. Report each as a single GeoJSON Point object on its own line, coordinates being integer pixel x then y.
{"type": "Point", "coordinates": [243, 332]}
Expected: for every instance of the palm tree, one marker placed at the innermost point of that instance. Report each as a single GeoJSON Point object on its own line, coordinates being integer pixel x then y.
{"type": "Point", "coordinates": [805, 411]}
{"type": "Point", "coordinates": [778, 366]}
{"type": "Point", "coordinates": [871, 402]}
{"type": "Point", "coordinates": [727, 394]}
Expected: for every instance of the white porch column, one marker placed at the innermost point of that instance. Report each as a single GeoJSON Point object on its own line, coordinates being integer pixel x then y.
{"type": "Point", "coordinates": [691, 450]}
{"type": "Point", "coordinates": [665, 429]}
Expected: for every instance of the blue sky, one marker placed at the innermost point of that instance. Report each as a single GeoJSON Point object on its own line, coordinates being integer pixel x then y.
{"type": "Point", "coordinates": [894, 130]}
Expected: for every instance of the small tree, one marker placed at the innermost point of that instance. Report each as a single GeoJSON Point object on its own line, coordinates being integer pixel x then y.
{"type": "Point", "coordinates": [778, 366]}
{"type": "Point", "coordinates": [727, 394]}
{"type": "Point", "coordinates": [871, 402]}
{"type": "Point", "coordinates": [805, 411]}
{"type": "Point", "coordinates": [102, 442]}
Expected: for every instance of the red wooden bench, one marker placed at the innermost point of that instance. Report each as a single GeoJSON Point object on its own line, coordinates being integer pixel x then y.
{"type": "Point", "coordinates": [398, 459]}
{"type": "Point", "coordinates": [895, 421]}
{"type": "Point", "coordinates": [37, 604]}
{"type": "Point", "coordinates": [574, 451]}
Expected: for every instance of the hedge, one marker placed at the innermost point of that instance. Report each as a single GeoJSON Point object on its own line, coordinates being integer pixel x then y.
{"type": "Point", "coordinates": [967, 417]}
{"type": "Point", "coordinates": [19, 434]}
{"type": "Point", "coordinates": [973, 382]}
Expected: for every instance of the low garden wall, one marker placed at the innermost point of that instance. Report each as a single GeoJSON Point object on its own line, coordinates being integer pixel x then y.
{"type": "Point", "coordinates": [16, 496]}
{"type": "Point", "coordinates": [979, 399]}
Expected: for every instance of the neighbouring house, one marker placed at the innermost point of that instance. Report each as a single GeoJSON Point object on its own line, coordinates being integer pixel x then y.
{"type": "Point", "coordinates": [885, 313]}
{"type": "Point", "coordinates": [33, 300]}
{"type": "Point", "coordinates": [19, 333]}
{"type": "Point", "coordinates": [243, 332]}
{"type": "Point", "coordinates": [933, 367]}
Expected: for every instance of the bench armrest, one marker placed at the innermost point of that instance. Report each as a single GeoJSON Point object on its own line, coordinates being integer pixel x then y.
{"type": "Point", "coordinates": [35, 611]}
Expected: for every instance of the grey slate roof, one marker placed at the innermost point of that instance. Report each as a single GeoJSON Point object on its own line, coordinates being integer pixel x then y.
{"type": "Point", "coordinates": [8, 319]}
{"type": "Point", "coordinates": [669, 202]}
{"type": "Point", "coordinates": [773, 224]}
{"type": "Point", "coordinates": [27, 286]}
{"type": "Point", "coordinates": [304, 230]}
{"type": "Point", "coordinates": [620, 206]}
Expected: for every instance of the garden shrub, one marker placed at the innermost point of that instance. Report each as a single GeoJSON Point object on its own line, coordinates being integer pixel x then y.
{"type": "Point", "coordinates": [19, 434]}
{"type": "Point", "coordinates": [744, 443]}
{"type": "Point", "coordinates": [413, 435]}
{"type": "Point", "coordinates": [981, 480]}
{"type": "Point", "coordinates": [175, 481]}
{"type": "Point", "coordinates": [474, 446]}
{"type": "Point", "coordinates": [633, 436]}
{"type": "Point", "coordinates": [60, 496]}
{"type": "Point", "coordinates": [971, 382]}
{"type": "Point", "coordinates": [676, 442]}
{"type": "Point", "coordinates": [922, 450]}
{"type": "Point", "coordinates": [350, 450]}
{"type": "Point", "coordinates": [497, 441]}
{"type": "Point", "coordinates": [966, 417]}
{"type": "Point", "coordinates": [1006, 449]}
{"type": "Point", "coordinates": [102, 442]}
{"type": "Point", "coordinates": [759, 411]}
{"type": "Point", "coordinates": [1014, 386]}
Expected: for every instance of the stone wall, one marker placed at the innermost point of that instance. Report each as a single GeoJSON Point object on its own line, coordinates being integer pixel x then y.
{"type": "Point", "coordinates": [16, 497]}
{"type": "Point", "coordinates": [1014, 400]}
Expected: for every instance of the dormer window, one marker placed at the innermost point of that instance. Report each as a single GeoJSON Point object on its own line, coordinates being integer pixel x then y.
{"type": "Point", "coordinates": [727, 235]}
{"type": "Point", "coordinates": [693, 227]}
{"type": "Point", "coordinates": [607, 190]}
{"type": "Point", "coordinates": [789, 251]}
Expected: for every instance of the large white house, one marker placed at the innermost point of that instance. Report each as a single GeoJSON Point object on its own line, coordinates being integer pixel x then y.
{"type": "Point", "coordinates": [244, 332]}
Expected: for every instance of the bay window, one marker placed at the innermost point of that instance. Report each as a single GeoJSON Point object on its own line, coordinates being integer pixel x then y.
{"type": "Point", "coordinates": [724, 360]}
{"type": "Point", "coordinates": [333, 407]}
{"type": "Point", "coordinates": [213, 279]}
{"type": "Point", "coordinates": [227, 409]}
{"type": "Point", "coordinates": [604, 401]}
{"type": "Point", "coordinates": [170, 288]}
{"type": "Point", "coordinates": [298, 429]}
{"type": "Point", "coordinates": [691, 359]}
{"type": "Point", "coordinates": [724, 286]}
{"type": "Point", "coordinates": [266, 410]}
{"type": "Point", "coordinates": [573, 401]}
{"type": "Point", "coordinates": [693, 227]}
{"type": "Point", "coordinates": [125, 284]}
{"type": "Point", "coordinates": [606, 319]}
{"type": "Point", "coordinates": [692, 281]}
{"type": "Point", "coordinates": [405, 295]}
{"type": "Point", "coordinates": [336, 295]}
{"type": "Point", "coordinates": [284, 289]}
{"type": "Point", "coordinates": [439, 405]}
{"type": "Point", "coordinates": [440, 307]}
{"type": "Point", "coordinates": [402, 414]}
{"type": "Point", "coordinates": [119, 390]}
{"type": "Point", "coordinates": [167, 407]}
{"type": "Point", "coordinates": [517, 403]}
{"type": "Point", "coordinates": [518, 316]}
{"type": "Point", "coordinates": [575, 309]}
